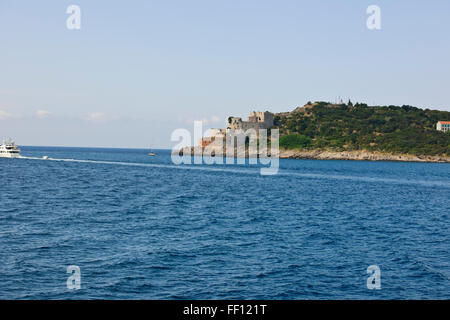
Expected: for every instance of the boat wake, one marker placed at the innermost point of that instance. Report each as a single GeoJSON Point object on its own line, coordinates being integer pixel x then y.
{"type": "Point", "coordinates": [255, 171]}
{"type": "Point", "coordinates": [151, 165]}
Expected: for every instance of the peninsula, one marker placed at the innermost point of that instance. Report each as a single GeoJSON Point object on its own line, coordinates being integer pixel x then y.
{"type": "Point", "coordinates": [347, 131]}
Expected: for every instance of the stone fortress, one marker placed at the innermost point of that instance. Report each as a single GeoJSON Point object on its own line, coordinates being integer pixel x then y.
{"type": "Point", "coordinates": [257, 120]}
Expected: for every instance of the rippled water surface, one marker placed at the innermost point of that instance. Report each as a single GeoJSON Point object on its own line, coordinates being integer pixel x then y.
{"type": "Point", "coordinates": [140, 227]}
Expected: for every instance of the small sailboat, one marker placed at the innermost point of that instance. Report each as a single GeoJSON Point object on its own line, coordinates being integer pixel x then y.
{"type": "Point", "coordinates": [151, 153]}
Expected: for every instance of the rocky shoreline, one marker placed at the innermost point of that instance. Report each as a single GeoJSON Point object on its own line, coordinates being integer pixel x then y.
{"type": "Point", "coordinates": [316, 154]}
{"type": "Point", "coordinates": [362, 155]}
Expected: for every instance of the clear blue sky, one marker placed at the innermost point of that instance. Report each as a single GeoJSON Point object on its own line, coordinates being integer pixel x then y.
{"type": "Point", "coordinates": [139, 69]}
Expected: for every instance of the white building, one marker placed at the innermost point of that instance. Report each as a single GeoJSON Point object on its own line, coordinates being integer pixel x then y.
{"type": "Point", "coordinates": [443, 126]}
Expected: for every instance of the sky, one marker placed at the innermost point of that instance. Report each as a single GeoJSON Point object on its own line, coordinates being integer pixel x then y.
{"type": "Point", "coordinates": [137, 70]}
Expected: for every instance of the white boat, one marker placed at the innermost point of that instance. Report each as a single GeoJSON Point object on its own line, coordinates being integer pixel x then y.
{"type": "Point", "coordinates": [9, 149]}
{"type": "Point", "coordinates": [151, 153]}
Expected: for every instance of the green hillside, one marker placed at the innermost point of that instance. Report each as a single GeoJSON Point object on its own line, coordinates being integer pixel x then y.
{"type": "Point", "coordinates": [392, 129]}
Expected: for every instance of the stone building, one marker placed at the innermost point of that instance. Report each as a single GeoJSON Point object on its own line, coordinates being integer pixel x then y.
{"type": "Point", "coordinates": [256, 121]}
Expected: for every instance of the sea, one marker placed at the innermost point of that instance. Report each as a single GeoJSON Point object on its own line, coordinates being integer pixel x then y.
{"type": "Point", "coordinates": [141, 227]}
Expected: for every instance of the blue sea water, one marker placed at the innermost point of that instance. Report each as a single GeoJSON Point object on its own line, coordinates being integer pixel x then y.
{"type": "Point", "coordinates": [140, 227]}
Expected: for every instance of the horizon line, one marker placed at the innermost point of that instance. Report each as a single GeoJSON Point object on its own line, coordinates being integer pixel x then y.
{"type": "Point", "coordinates": [59, 146]}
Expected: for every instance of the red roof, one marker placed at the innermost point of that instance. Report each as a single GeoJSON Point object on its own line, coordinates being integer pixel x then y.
{"type": "Point", "coordinates": [444, 122]}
